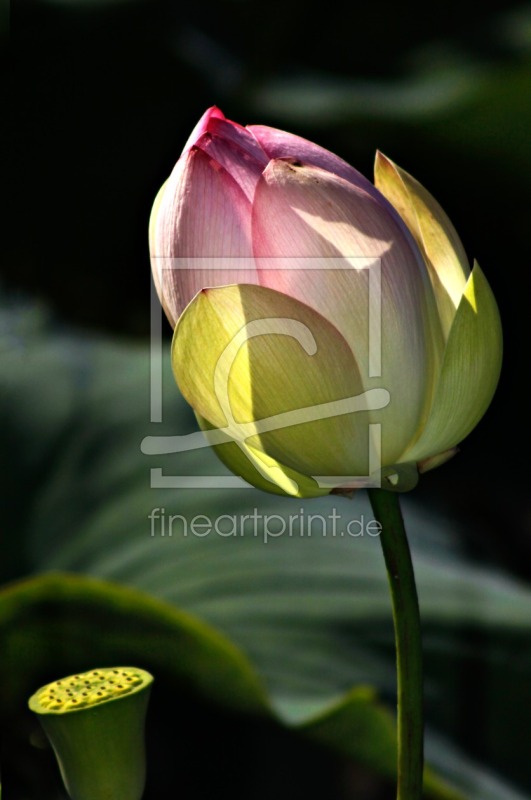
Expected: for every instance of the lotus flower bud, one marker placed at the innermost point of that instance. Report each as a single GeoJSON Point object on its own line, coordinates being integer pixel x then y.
{"type": "Point", "coordinates": [329, 333]}
{"type": "Point", "coordinates": [95, 723]}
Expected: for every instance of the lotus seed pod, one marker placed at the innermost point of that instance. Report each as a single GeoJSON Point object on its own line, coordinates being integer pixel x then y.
{"type": "Point", "coordinates": [95, 723]}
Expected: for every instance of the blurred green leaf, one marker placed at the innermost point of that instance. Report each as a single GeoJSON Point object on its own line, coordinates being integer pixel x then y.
{"type": "Point", "coordinates": [309, 613]}
{"type": "Point", "coordinates": [460, 105]}
{"type": "Point", "coordinates": [64, 619]}
{"type": "Point", "coordinates": [67, 621]}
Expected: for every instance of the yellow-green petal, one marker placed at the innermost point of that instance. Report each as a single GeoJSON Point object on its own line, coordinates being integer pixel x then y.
{"type": "Point", "coordinates": [470, 372]}
{"type": "Point", "coordinates": [264, 472]}
{"type": "Point", "coordinates": [276, 376]}
{"type": "Point", "coordinates": [433, 232]}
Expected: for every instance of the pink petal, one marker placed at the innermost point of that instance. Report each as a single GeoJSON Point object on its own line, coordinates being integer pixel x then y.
{"type": "Point", "coordinates": [240, 136]}
{"type": "Point", "coordinates": [237, 160]}
{"type": "Point", "coordinates": [280, 144]}
{"type": "Point", "coordinates": [211, 113]}
{"type": "Point", "coordinates": [202, 233]}
{"type": "Point", "coordinates": [304, 216]}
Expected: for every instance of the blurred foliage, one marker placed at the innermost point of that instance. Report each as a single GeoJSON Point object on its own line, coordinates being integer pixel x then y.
{"type": "Point", "coordinates": [105, 93]}
{"type": "Point", "coordinates": [308, 616]}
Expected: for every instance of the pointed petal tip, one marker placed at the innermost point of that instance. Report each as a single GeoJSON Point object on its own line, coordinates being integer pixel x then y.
{"type": "Point", "coordinates": [277, 169]}
{"type": "Point", "coordinates": [383, 162]}
{"type": "Point", "coordinates": [288, 169]}
{"type": "Point", "coordinates": [211, 113]}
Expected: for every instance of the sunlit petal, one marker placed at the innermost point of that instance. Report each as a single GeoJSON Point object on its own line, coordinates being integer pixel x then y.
{"type": "Point", "coordinates": [274, 375]}
{"type": "Point", "coordinates": [433, 232]}
{"type": "Point", "coordinates": [364, 272]}
{"type": "Point", "coordinates": [470, 372]}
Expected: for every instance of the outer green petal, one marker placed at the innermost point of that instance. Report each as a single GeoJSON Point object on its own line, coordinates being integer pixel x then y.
{"type": "Point", "coordinates": [264, 472]}
{"type": "Point", "coordinates": [470, 372]}
{"type": "Point", "coordinates": [433, 232]}
{"type": "Point", "coordinates": [277, 377]}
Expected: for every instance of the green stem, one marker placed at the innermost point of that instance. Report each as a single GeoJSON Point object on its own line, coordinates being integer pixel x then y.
{"type": "Point", "coordinates": [408, 640]}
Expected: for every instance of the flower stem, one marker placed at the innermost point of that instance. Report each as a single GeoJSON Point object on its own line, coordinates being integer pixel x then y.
{"type": "Point", "coordinates": [408, 641]}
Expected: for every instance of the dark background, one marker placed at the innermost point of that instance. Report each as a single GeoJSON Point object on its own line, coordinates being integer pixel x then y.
{"type": "Point", "coordinates": [106, 93]}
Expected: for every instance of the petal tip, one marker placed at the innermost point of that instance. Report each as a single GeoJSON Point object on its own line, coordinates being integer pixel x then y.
{"type": "Point", "coordinates": [383, 162]}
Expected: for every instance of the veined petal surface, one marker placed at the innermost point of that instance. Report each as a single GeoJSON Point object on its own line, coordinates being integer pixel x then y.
{"type": "Point", "coordinates": [280, 144]}
{"type": "Point", "coordinates": [328, 243]}
{"type": "Point", "coordinates": [237, 135]}
{"type": "Point", "coordinates": [262, 471]}
{"type": "Point", "coordinates": [241, 165]}
{"type": "Point", "coordinates": [200, 232]}
{"type": "Point", "coordinates": [469, 374]}
{"type": "Point", "coordinates": [275, 376]}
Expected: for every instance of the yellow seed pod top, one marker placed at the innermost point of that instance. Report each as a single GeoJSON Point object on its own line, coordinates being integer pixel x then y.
{"type": "Point", "coordinates": [95, 723]}
{"type": "Point", "coordinates": [87, 689]}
